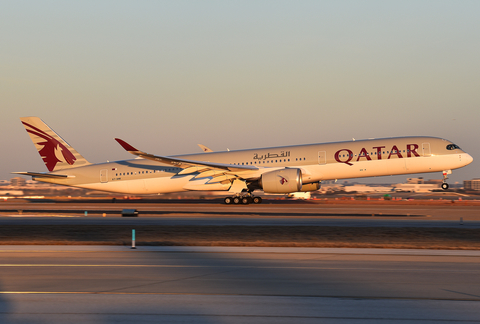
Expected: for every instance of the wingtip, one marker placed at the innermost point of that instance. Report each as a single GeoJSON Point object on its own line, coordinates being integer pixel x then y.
{"type": "Point", "coordinates": [125, 145]}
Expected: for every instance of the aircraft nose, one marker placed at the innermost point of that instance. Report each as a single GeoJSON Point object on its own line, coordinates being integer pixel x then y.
{"type": "Point", "coordinates": [467, 158]}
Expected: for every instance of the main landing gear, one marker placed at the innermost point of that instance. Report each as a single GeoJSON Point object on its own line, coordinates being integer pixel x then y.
{"type": "Point", "coordinates": [243, 200]}
{"type": "Point", "coordinates": [445, 185]}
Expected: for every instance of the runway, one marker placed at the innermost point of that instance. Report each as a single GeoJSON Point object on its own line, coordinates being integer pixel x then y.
{"type": "Point", "coordinates": [45, 284]}
{"type": "Point", "coordinates": [449, 215]}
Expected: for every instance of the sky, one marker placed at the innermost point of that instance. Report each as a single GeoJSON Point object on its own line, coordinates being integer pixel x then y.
{"type": "Point", "coordinates": [167, 75]}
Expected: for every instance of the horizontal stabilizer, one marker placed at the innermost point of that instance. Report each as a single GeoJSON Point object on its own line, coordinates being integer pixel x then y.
{"type": "Point", "coordinates": [43, 175]}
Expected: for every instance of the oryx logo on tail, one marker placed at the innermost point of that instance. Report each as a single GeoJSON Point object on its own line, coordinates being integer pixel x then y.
{"type": "Point", "coordinates": [53, 151]}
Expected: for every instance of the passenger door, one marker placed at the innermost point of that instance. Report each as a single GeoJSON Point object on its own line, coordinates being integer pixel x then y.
{"type": "Point", "coordinates": [103, 175]}
{"type": "Point", "coordinates": [322, 157]}
{"type": "Point", "coordinates": [426, 149]}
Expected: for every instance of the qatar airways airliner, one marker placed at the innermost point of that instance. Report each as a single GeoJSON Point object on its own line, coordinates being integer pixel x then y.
{"type": "Point", "coordinates": [283, 169]}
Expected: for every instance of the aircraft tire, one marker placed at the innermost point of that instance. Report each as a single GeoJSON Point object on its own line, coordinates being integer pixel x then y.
{"type": "Point", "coordinates": [445, 186]}
{"type": "Point", "coordinates": [236, 200]}
{"type": "Point", "coordinates": [257, 200]}
{"type": "Point", "coordinates": [245, 200]}
{"type": "Point", "coordinates": [228, 200]}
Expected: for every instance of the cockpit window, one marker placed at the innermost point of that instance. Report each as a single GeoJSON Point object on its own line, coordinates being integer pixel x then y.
{"type": "Point", "coordinates": [453, 147]}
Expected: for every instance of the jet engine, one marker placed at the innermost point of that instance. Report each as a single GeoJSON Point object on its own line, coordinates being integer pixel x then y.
{"type": "Point", "coordinates": [282, 181]}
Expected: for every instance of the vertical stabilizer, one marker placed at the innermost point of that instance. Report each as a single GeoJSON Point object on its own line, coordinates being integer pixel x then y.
{"type": "Point", "coordinates": [55, 152]}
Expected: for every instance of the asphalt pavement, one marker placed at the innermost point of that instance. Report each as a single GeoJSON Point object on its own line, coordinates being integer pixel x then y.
{"type": "Point", "coordinates": [45, 284]}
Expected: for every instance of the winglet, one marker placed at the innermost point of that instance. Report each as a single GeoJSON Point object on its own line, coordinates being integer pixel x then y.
{"type": "Point", "coordinates": [204, 148]}
{"type": "Point", "coordinates": [126, 146]}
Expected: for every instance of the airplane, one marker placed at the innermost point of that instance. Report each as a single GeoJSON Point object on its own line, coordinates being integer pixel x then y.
{"type": "Point", "coordinates": [284, 169]}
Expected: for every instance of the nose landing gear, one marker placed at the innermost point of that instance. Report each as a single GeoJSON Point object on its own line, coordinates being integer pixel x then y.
{"type": "Point", "coordinates": [445, 185]}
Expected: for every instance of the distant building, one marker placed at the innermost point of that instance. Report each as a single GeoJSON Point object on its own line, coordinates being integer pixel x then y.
{"type": "Point", "coordinates": [416, 187]}
{"type": "Point", "coordinates": [415, 180]}
{"type": "Point", "coordinates": [18, 182]}
{"type": "Point", "coordinates": [421, 180]}
{"type": "Point", "coordinates": [473, 184]}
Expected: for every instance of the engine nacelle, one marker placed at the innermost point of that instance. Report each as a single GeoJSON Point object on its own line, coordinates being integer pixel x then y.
{"type": "Point", "coordinates": [282, 181]}
{"type": "Point", "coordinates": [310, 187]}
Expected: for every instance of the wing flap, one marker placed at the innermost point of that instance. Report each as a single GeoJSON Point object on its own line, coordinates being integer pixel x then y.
{"type": "Point", "coordinates": [193, 170]}
{"type": "Point", "coordinates": [223, 178]}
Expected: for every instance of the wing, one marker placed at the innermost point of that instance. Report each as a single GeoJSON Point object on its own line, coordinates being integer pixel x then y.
{"type": "Point", "coordinates": [219, 171]}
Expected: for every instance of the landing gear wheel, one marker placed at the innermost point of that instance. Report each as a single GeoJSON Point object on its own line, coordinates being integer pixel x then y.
{"type": "Point", "coordinates": [228, 200]}
{"type": "Point", "coordinates": [445, 177]}
{"type": "Point", "coordinates": [245, 200]}
{"type": "Point", "coordinates": [236, 200]}
{"type": "Point", "coordinates": [257, 200]}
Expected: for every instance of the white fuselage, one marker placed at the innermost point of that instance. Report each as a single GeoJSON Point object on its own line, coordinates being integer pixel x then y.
{"type": "Point", "coordinates": [317, 162]}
